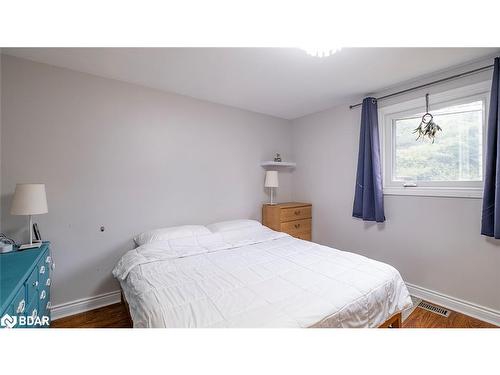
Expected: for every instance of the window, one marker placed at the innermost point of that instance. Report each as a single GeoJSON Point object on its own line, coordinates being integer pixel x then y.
{"type": "Point", "coordinates": [453, 164]}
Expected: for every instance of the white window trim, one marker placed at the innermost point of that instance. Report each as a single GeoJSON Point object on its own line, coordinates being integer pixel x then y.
{"type": "Point", "coordinates": [386, 115]}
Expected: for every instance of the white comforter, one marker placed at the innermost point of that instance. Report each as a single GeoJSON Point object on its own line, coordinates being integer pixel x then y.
{"type": "Point", "coordinates": [256, 278]}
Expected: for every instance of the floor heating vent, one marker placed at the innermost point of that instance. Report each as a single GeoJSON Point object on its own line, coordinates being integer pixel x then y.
{"type": "Point", "coordinates": [435, 309]}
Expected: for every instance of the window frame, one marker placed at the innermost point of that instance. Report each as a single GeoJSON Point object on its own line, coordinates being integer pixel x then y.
{"type": "Point", "coordinates": [390, 113]}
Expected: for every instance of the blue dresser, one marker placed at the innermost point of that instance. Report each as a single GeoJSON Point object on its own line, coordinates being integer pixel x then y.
{"type": "Point", "coordinates": [25, 288]}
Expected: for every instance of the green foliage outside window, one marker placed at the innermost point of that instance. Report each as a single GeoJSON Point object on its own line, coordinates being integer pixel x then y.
{"type": "Point", "coordinates": [456, 154]}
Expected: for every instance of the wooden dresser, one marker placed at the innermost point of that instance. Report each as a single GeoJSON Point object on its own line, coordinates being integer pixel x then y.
{"type": "Point", "coordinates": [293, 218]}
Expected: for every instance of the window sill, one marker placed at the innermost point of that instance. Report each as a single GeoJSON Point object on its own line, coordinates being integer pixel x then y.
{"type": "Point", "coordinates": [476, 193]}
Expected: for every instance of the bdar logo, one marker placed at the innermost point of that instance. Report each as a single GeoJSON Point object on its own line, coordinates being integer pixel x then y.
{"type": "Point", "coordinates": [8, 321]}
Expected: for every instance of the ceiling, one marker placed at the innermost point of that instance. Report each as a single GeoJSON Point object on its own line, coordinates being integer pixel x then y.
{"type": "Point", "coordinates": [282, 82]}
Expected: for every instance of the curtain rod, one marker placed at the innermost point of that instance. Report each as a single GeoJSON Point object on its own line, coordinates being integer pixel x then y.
{"type": "Point", "coordinates": [430, 84]}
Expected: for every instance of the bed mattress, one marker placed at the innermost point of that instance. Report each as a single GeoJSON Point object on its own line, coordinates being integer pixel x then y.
{"type": "Point", "coordinates": [256, 278]}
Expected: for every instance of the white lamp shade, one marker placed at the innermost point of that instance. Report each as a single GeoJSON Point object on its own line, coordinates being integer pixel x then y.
{"type": "Point", "coordinates": [29, 199]}
{"type": "Point", "coordinates": [271, 179]}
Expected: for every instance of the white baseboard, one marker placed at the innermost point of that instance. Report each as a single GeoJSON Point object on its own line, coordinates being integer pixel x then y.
{"type": "Point", "coordinates": [468, 308]}
{"type": "Point", "coordinates": [85, 304]}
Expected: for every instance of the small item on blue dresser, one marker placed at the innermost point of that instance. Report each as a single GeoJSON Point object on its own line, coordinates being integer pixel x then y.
{"type": "Point", "coordinates": [5, 247]}
{"type": "Point", "coordinates": [277, 158]}
{"type": "Point", "coordinates": [29, 199]}
{"type": "Point", "coordinates": [6, 244]}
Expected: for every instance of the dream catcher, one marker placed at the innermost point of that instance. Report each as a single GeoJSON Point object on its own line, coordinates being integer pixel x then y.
{"type": "Point", "coordinates": [427, 128]}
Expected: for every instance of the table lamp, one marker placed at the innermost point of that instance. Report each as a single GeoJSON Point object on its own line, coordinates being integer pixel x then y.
{"type": "Point", "coordinates": [271, 182]}
{"type": "Point", "coordinates": [29, 199]}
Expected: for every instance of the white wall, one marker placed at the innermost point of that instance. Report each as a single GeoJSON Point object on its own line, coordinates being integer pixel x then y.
{"type": "Point", "coordinates": [454, 259]}
{"type": "Point", "coordinates": [128, 158]}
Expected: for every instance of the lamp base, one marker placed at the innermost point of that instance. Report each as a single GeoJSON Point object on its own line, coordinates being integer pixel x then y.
{"type": "Point", "coordinates": [30, 246]}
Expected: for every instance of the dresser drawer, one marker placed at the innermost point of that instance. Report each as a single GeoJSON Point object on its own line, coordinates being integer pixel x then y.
{"type": "Point", "coordinates": [43, 272]}
{"type": "Point", "coordinates": [304, 236]}
{"type": "Point", "coordinates": [47, 259]}
{"type": "Point", "coordinates": [295, 213]}
{"type": "Point", "coordinates": [296, 226]}
{"type": "Point", "coordinates": [44, 295]}
{"type": "Point", "coordinates": [32, 309]}
{"type": "Point", "coordinates": [47, 283]}
{"type": "Point", "coordinates": [45, 306]}
{"type": "Point", "coordinates": [19, 304]}
{"type": "Point", "coordinates": [32, 285]}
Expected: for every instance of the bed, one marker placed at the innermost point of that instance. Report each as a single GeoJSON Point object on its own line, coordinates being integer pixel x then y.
{"type": "Point", "coordinates": [252, 276]}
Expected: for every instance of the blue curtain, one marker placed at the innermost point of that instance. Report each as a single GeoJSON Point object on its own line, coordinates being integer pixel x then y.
{"type": "Point", "coordinates": [368, 197]}
{"type": "Point", "coordinates": [490, 225]}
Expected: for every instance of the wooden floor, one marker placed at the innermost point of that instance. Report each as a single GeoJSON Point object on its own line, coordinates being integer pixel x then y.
{"type": "Point", "coordinates": [112, 316]}
{"type": "Point", "coordinates": [421, 318]}
{"type": "Point", "coordinates": [116, 316]}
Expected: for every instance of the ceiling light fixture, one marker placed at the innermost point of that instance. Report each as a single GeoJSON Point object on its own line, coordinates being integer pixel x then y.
{"type": "Point", "coordinates": [321, 51]}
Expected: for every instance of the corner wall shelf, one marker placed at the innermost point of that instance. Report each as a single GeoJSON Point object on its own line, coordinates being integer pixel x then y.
{"type": "Point", "coordinates": [283, 164]}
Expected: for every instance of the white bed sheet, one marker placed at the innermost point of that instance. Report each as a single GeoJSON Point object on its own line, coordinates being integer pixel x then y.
{"type": "Point", "coordinates": [256, 278]}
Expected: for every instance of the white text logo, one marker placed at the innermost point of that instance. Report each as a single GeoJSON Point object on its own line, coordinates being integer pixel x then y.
{"type": "Point", "coordinates": [8, 321]}
{"type": "Point", "coordinates": [24, 321]}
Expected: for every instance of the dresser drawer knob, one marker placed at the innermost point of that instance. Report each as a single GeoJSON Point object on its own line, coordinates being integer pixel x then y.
{"type": "Point", "coordinates": [297, 212]}
{"type": "Point", "coordinates": [49, 305]}
{"type": "Point", "coordinates": [43, 294]}
{"type": "Point", "coordinates": [297, 226]}
{"type": "Point", "coordinates": [48, 282]}
{"type": "Point", "coordinates": [48, 259]}
{"type": "Point", "coordinates": [21, 306]}
{"type": "Point", "coordinates": [42, 269]}
{"type": "Point", "coordinates": [34, 313]}
{"type": "Point", "coordinates": [35, 283]}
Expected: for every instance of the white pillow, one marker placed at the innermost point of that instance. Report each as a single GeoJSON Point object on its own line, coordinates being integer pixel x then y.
{"type": "Point", "coordinates": [170, 233]}
{"type": "Point", "coordinates": [225, 226]}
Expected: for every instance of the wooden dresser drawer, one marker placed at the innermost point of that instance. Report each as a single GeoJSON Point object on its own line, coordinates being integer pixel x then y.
{"type": "Point", "coordinates": [296, 213]}
{"type": "Point", "coordinates": [304, 236]}
{"type": "Point", "coordinates": [296, 227]}
{"type": "Point", "coordinates": [293, 218]}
